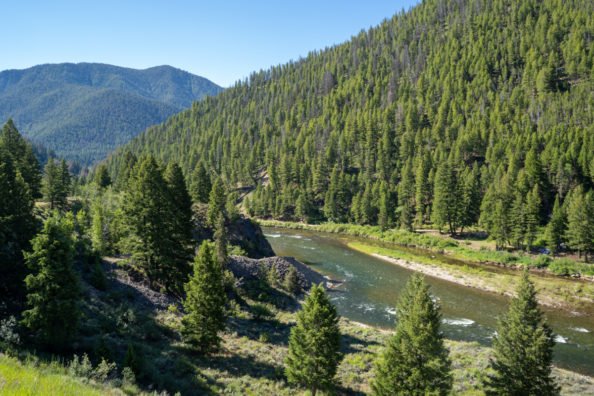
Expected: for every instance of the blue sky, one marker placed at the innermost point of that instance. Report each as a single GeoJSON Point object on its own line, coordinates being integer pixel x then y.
{"type": "Point", "coordinates": [221, 40]}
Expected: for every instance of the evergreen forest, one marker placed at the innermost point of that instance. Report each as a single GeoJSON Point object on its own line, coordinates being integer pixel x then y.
{"type": "Point", "coordinates": [454, 115]}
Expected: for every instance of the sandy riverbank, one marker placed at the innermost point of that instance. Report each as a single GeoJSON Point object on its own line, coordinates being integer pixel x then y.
{"type": "Point", "coordinates": [468, 280]}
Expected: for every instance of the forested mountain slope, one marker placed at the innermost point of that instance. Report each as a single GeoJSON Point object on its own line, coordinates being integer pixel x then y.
{"type": "Point", "coordinates": [83, 111]}
{"type": "Point", "coordinates": [458, 112]}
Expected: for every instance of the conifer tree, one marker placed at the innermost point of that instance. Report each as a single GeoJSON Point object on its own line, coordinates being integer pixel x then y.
{"type": "Point", "coordinates": [53, 290]}
{"type": "Point", "coordinates": [314, 344]}
{"type": "Point", "coordinates": [17, 227]}
{"type": "Point", "coordinates": [385, 217]}
{"type": "Point", "coordinates": [220, 237]}
{"type": "Point", "coordinates": [179, 226]}
{"type": "Point", "coordinates": [65, 180]}
{"type": "Point", "coordinates": [133, 360]}
{"type": "Point", "coordinates": [533, 204]}
{"type": "Point", "coordinates": [555, 232]}
{"type": "Point", "coordinates": [501, 225]}
{"type": "Point", "coordinates": [447, 200]}
{"type": "Point", "coordinates": [471, 197]}
{"type": "Point", "coordinates": [580, 221]}
{"type": "Point", "coordinates": [125, 170]}
{"type": "Point", "coordinates": [56, 184]}
{"type": "Point", "coordinates": [279, 124]}
{"type": "Point", "coordinates": [216, 202]}
{"type": "Point", "coordinates": [291, 281]}
{"type": "Point", "coordinates": [422, 189]}
{"type": "Point", "coordinates": [181, 201]}
{"type": "Point", "coordinates": [201, 185]}
{"type": "Point", "coordinates": [523, 348]}
{"type": "Point", "coordinates": [102, 178]}
{"type": "Point", "coordinates": [302, 207]}
{"type": "Point", "coordinates": [496, 210]}
{"type": "Point", "coordinates": [146, 214]}
{"type": "Point", "coordinates": [415, 361]}
{"type": "Point", "coordinates": [98, 231]}
{"type": "Point", "coordinates": [23, 157]}
{"type": "Point", "coordinates": [406, 197]}
{"type": "Point", "coordinates": [337, 199]}
{"type": "Point", "coordinates": [205, 302]}
{"type": "Point", "coordinates": [518, 226]}
{"type": "Point", "coordinates": [157, 213]}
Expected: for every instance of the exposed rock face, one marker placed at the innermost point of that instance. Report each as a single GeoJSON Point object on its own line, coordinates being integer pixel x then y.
{"type": "Point", "coordinates": [248, 234]}
{"type": "Point", "coordinates": [241, 232]}
{"type": "Point", "coordinates": [246, 269]}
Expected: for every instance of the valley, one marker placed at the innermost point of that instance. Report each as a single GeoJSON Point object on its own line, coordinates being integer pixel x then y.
{"type": "Point", "coordinates": [408, 211]}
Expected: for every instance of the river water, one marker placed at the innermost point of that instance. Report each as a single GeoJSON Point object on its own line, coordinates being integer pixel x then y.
{"type": "Point", "coordinates": [371, 286]}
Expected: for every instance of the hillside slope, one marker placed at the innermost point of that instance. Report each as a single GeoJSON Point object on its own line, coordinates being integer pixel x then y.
{"type": "Point", "coordinates": [83, 111]}
{"type": "Point", "coordinates": [251, 360]}
{"type": "Point", "coordinates": [494, 98]}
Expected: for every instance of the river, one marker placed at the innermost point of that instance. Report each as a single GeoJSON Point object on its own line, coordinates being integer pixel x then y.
{"type": "Point", "coordinates": [371, 287]}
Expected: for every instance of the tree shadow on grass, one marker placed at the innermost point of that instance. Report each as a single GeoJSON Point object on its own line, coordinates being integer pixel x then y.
{"type": "Point", "coordinates": [341, 390]}
{"type": "Point", "coordinates": [351, 344]}
{"type": "Point", "coordinates": [232, 364]}
{"type": "Point", "coordinates": [276, 332]}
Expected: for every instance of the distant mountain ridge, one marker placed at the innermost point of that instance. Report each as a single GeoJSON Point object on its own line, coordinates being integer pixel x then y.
{"type": "Point", "coordinates": [83, 111]}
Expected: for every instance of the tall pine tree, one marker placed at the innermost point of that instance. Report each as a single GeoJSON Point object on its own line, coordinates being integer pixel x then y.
{"type": "Point", "coordinates": [406, 198]}
{"type": "Point", "coordinates": [159, 233]}
{"type": "Point", "coordinates": [200, 185]}
{"type": "Point", "coordinates": [314, 344]}
{"type": "Point", "coordinates": [220, 237]}
{"type": "Point", "coordinates": [555, 232]}
{"type": "Point", "coordinates": [55, 184]}
{"type": "Point", "coordinates": [102, 178]}
{"type": "Point", "coordinates": [53, 290]}
{"type": "Point", "coordinates": [217, 201]}
{"type": "Point", "coordinates": [17, 227]}
{"type": "Point", "coordinates": [580, 221]}
{"type": "Point", "coordinates": [23, 157]}
{"type": "Point", "coordinates": [205, 302]}
{"type": "Point", "coordinates": [523, 348]}
{"type": "Point", "coordinates": [447, 199]}
{"type": "Point", "coordinates": [415, 361]}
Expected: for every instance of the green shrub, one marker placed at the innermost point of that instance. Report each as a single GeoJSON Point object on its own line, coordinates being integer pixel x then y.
{"type": "Point", "coordinates": [80, 366]}
{"type": "Point", "coordinates": [133, 360]}
{"type": "Point", "coordinates": [264, 337]}
{"type": "Point", "coordinates": [272, 276]}
{"type": "Point", "coordinates": [563, 267]}
{"type": "Point", "coordinates": [541, 261]}
{"type": "Point", "coordinates": [235, 250]}
{"type": "Point", "coordinates": [291, 282]}
{"type": "Point", "coordinates": [507, 258]}
{"type": "Point", "coordinates": [104, 371]}
{"type": "Point", "coordinates": [260, 312]}
{"type": "Point", "coordinates": [9, 337]}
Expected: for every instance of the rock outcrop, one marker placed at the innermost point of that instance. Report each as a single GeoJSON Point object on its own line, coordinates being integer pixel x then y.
{"type": "Point", "coordinates": [246, 269]}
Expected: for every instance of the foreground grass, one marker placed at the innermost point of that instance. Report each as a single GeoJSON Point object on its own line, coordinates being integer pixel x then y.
{"type": "Point", "coordinates": [251, 363]}
{"type": "Point", "coordinates": [30, 378]}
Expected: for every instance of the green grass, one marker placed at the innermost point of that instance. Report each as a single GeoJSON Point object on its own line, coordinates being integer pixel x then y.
{"type": "Point", "coordinates": [552, 291]}
{"type": "Point", "coordinates": [253, 365]}
{"type": "Point", "coordinates": [29, 378]}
